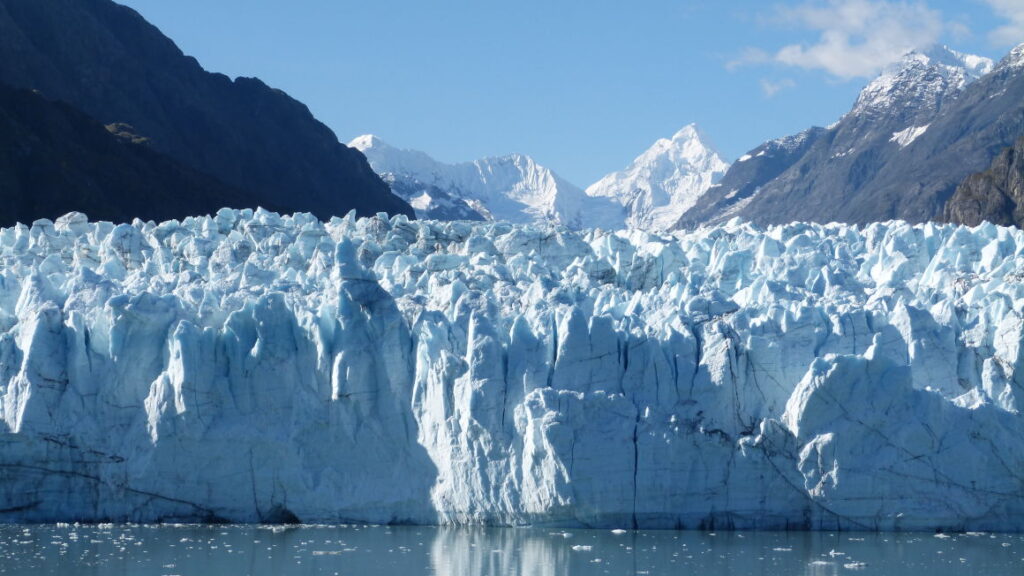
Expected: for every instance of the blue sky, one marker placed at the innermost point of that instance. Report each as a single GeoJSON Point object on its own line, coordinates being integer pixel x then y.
{"type": "Point", "coordinates": [583, 86]}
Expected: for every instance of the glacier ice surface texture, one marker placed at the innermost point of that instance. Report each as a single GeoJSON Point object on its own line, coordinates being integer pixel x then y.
{"type": "Point", "coordinates": [252, 367]}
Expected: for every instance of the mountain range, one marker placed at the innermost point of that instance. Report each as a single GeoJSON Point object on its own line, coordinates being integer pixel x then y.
{"type": "Point", "coordinates": [913, 136]}
{"type": "Point", "coordinates": [651, 193]}
{"type": "Point", "coordinates": [105, 115]}
{"type": "Point", "coordinates": [513, 188]}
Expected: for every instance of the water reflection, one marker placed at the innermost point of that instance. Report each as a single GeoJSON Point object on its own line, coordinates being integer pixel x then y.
{"type": "Point", "coordinates": [517, 552]}
{"type": "Point", "coordinates": [522, 552]}
{"type": "Point", "coordinates": [102, 550]}
{"type": "Point", "coordinates": [513, 551]}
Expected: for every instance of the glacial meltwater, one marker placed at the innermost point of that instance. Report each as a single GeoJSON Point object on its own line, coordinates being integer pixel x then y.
{"type": "Point", "coordinates": [194, 550]}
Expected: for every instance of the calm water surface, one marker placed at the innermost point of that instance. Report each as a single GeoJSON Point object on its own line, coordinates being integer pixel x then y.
{"type": "Point", "coordinates": [143, 550]}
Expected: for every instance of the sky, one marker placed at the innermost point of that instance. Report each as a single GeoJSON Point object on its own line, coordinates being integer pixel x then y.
{"type": "Point", "coordinates": [582, 86]}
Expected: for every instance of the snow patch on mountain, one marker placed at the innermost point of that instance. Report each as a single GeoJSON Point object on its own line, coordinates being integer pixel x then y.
{"type": "Point", "coordinates": [254, 367]}
{"type": "Point", "coordinates": [904, 138]}
{"type": "Point", "coordinates": [661, 184]}
{"type": "Point", "coordinates": [1015, 59]}
{"type": "Point", "coordinates": [512, 188]}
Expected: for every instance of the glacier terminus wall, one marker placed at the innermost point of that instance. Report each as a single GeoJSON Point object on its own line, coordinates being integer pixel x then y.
{"type": "Point", "coordinates": [251, 367]}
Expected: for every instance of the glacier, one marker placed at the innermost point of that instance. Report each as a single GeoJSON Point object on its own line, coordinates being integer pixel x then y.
{"type": "Point", "coordinates": [252, 367]}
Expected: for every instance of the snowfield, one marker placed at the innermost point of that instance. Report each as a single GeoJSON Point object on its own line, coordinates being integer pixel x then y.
{"type": "Point", "coordinates": [252, 367]}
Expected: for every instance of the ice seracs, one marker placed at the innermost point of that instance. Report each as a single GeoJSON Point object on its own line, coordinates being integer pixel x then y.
{"type": "Point", "coordinates": [661, 184]}
{"type": "Point", "coordinates": [513, 188]}
{"type": "Point", "coordinates": [254, 367]}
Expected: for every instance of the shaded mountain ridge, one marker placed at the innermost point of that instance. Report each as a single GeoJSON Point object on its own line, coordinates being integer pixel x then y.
{"type": "Point", "coordinates": [55, 159]}
{"type": "Point", "coordinates": [106, 60]}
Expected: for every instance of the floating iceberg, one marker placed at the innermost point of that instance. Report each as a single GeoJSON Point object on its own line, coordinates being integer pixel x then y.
{"type": "Point", "coordinates": [252, 367]}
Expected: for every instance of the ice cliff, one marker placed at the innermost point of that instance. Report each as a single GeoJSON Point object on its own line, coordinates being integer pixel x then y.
{"type": "Point", "coordinates": [252, 367]}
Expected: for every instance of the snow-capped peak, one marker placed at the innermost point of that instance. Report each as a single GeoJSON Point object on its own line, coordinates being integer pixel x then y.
{"type": "Point", "coordinates": [688, 133]}
{"type": "Point", "coordinates": [922, 78]}
{"type": "Point", "coordinates": [665, 181]}
{"type": "Point", "coordinates": [973, 65]}
{"type": "Point", "coordinates": [387, 159]}
{"type": "Point", "coordinates": [688, 145]}
{"type": "Point", "coordinates": [513, 188]}
{"type": "Point", "coordinates": [1015, 59]}
{"type": "Point", "coordinates": [367, 141]}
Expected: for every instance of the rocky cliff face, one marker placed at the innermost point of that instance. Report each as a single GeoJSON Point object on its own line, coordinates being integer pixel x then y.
{"type": "Point", "coordinates": [995, 195]}
{"type": "Point", "coordinates": [106, 60]}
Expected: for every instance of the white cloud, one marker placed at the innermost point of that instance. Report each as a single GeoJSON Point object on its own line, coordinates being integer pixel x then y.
{"type": "Point", "coordinates": [856, 38]}
{"type": "Point", "coordinates": [1011, 33]}
{"type": "Point", "coordinates": [749, 56]}
{"type": "Point", "coordinates": [773, 87]}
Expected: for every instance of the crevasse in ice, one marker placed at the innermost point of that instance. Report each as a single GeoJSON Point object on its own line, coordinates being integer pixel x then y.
{"type": "Point", "coordinates": [253, 367]}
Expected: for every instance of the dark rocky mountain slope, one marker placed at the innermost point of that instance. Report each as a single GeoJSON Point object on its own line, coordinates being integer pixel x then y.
{"type": "Point", "coordinates": [56, 159]}
{"type": "Point", "coordinates": [995, 195]}
{"type": "Point", "coordinates": [747, 175]}
{"type": "Point", "coordinates": [106, 60]}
